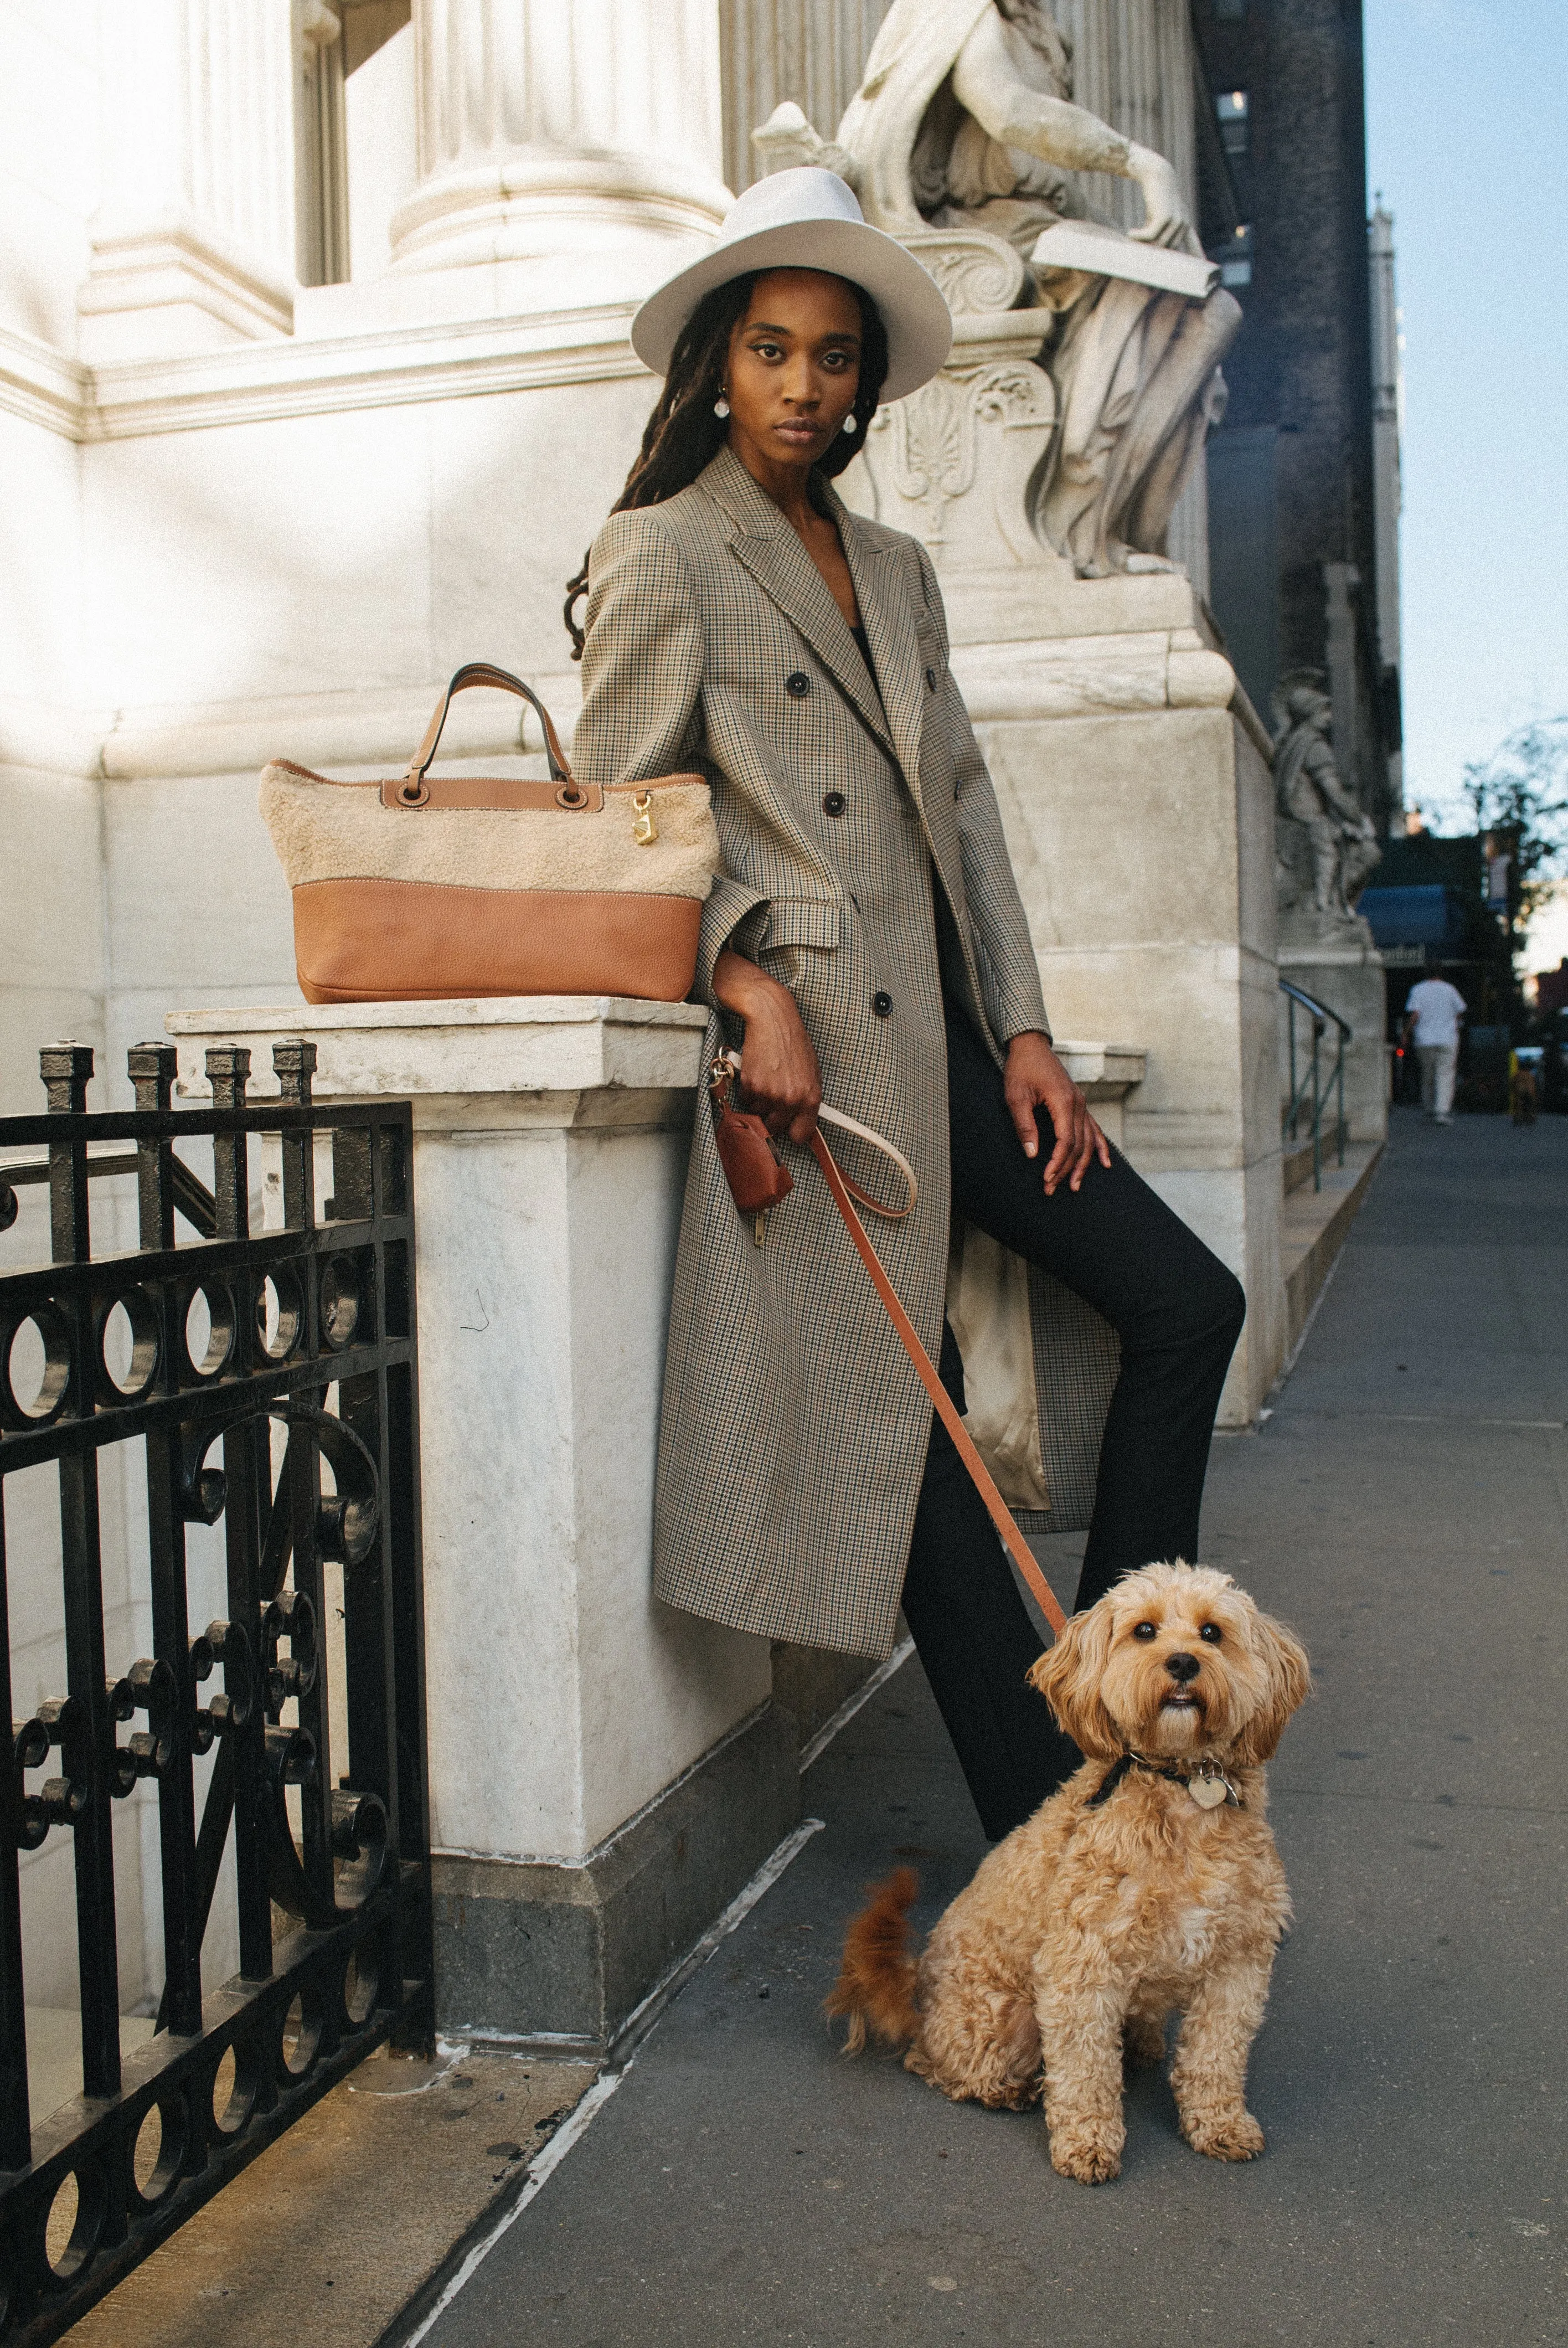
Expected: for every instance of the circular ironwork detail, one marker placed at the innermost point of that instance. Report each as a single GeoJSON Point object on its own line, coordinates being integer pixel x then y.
{"type": "Point", "coordinates": [69, 2257]}
{"type": "Point", "coordinates": [48, 1400]}
{"type": "Point", "coordinates": [341, 1300]}
{"type": "Point", "coordinates": [299, 2042]}
{"type": "Point", "coordinates": [173, 2116]}
{"type": "Point", "coordinates": [221, 1329]}
{"type": "Point", "coordinates": [141, 1369]}
{"type": "Point", "coordinates": [289, 1324]}
{"type": "Point", "coordinates": [232, 2102]}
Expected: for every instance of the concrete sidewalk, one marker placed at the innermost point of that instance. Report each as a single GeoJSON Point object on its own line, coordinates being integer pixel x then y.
{"type": "Point", "coordinates": [1405, 1506]}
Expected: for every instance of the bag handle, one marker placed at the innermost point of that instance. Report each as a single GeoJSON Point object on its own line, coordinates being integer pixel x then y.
{"type": "Point", "coordinates": [412, 791]}
{"type": "Point", "coordinates": [879, 1141]}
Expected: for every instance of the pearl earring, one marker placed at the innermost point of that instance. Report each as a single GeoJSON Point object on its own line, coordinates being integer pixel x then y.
{"type": "Point", "coordinates": [849, 424]}
{"type": "Point", "coordinates": [721, 406]}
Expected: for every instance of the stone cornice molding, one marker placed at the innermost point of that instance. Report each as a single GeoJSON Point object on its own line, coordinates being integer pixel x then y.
{"type": "Point", "coordinates": [174, 260]}
{"type": "Point", "coordinates": [389, 366]}
{"type": "Point", "coordinates": [44, 385]}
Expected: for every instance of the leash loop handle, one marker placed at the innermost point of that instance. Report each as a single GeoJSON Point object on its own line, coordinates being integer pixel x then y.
{"type": "Point", "coordinates": [721, 1077]}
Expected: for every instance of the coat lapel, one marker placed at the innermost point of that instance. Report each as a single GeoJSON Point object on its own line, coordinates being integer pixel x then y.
{"type": "Point", "coordinates": [773, 555]}
{"type": "Point", "coordinates": [880, 591]}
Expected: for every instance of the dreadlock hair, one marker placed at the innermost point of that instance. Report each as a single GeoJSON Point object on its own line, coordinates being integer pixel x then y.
{"type": "Point", "coordinates": [684, 435]}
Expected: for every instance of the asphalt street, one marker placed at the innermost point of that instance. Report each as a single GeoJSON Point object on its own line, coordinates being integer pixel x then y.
{"type": "Point", "coordinates": [1406, 1508]}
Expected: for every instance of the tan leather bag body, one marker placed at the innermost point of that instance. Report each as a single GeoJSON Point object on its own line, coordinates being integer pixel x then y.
{"type": "Point", "coordinates": [424, 886]}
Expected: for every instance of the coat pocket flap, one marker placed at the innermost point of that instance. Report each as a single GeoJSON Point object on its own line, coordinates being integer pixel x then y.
{"type": "Point", "coordinates": [802, 921]}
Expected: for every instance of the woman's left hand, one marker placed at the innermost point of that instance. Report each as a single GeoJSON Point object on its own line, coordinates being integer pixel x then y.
{"type": "Point", "coordinates": [1035, 1078]}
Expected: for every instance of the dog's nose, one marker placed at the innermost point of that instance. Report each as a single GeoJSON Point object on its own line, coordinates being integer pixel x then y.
{"type": "Point", "coordinates": [1183, 1668]}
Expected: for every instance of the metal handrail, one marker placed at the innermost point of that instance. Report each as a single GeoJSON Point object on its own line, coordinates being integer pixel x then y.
{"type": "Point", "coordinates": [1311, 1085]}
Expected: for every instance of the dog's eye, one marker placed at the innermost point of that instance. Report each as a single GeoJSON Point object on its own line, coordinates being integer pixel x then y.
{"type": "Point", "coordinates": [1143, 1631]}
{"type": "Point", "coordinates": [1212, 1633]}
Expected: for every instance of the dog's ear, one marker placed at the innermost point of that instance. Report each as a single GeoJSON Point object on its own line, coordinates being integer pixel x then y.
{"type": "Point", "coordinates": [1290, 1684]}
{"type": "Point", "coordinates": [1068, 1677]}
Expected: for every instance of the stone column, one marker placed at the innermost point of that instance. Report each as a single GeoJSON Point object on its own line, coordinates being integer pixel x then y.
{"type": "Point", "coordinates": [585, 132]}
{"type": "Point", "coordinates": [776, 49]}
{"type": "Point", "coordinates": [1133, 67]}
{"type": "Point", "coordinates": [605, 1773]}
{"type": "Point", "coordinates": [193, 248]}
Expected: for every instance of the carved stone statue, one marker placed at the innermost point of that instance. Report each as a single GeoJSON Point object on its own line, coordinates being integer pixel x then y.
{"type": "Point", "coordinates": [1327, 844]}
{"type": "Point", "coordinates": [963, 121]}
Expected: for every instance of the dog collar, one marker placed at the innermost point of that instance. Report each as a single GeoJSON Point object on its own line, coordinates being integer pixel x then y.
{"type": "Point", "coordinates": [1207, 1785]}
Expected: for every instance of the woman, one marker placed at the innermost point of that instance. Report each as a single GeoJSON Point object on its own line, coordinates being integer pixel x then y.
{"type": "Point", "coordinates": [867, 943]}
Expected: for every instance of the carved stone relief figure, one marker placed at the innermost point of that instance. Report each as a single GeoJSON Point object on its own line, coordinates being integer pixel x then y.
{"type": "Point", "coordinates": [1327, 844]}
{"type": "Point", "coordinates": [964, 121]}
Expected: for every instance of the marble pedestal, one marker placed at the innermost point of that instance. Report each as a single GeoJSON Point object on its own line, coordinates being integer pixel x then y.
{"type": "Point", "coordinates": [1336, 962]}
{"type": "Point", "coordinates": [605, 1773]}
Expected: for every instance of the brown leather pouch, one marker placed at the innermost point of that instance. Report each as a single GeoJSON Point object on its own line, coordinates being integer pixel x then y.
{"type": "Point", "coordinates": [756, 1179]}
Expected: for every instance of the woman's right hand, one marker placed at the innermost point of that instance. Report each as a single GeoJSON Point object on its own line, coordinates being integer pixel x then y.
{"type": "Point", "coordinates": [778, 1067]}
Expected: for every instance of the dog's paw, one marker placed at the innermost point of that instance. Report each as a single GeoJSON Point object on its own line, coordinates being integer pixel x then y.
{"type": "Point", "coordinates": [1088, 2158]}
{"type": "Point", "coordinates": [1225, 2136]}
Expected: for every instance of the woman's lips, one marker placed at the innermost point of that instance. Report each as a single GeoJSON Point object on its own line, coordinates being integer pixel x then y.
{"type": "Point", "coordinates": [801, 432]}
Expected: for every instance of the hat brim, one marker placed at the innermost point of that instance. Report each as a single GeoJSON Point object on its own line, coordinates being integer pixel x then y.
{"type": "Point", "coordinates": [917, 321]}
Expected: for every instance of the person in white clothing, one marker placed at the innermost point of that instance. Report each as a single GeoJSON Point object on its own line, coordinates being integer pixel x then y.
{"type": "Point", "coordinates": [1433, 1010]}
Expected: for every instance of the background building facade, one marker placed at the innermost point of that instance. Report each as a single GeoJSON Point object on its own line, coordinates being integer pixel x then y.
{"type": "Point", "coordinates": [1304, 470]}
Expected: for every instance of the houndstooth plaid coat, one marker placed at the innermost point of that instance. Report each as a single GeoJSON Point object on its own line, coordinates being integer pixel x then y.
{"type": "Point", "coordinates": [794, 1430]}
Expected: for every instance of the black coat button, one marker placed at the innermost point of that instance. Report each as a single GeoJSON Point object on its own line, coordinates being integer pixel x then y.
{"type": "Point", "coordinates": [797, 684]}
{"type": "Point", "coordinates": [833, 804]}
{"type": "Point", "coordinates": [882, 1003]}
{"type": "Point", "coordinates": [930, 680]}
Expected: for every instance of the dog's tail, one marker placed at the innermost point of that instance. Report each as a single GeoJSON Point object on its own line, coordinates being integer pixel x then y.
{"type": "Point", "coordinates": [876, 1982]}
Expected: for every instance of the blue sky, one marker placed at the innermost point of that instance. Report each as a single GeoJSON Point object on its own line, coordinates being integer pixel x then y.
{"type": "Point", "coordinates": [1467, 123]}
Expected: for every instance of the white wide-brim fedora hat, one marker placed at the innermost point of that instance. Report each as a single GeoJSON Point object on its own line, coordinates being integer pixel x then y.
{"type": "Point", "coordinates": [809, 219]}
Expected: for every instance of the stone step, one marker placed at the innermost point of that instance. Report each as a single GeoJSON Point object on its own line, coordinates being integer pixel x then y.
{"type": "Point", "coordinates": [1314, 1227]}
{"type": "Point", "coordinates": [1295, 1161]}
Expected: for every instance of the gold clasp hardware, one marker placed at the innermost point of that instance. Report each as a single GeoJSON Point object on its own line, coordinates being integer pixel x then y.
{"type": "Point", "coordinates": [645, 831]}
{"type": "Point", "coordinates": [760, 1228]}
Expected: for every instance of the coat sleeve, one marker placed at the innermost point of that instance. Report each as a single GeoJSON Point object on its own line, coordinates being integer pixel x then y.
{"type": "Point", "coordinates": [642, 666]}
{"type": "Point", "coordinates": [1009, 974]}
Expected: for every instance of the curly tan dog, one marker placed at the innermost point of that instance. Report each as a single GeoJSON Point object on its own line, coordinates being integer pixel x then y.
{"type": "Point", "coordinates": [1150, 1881]}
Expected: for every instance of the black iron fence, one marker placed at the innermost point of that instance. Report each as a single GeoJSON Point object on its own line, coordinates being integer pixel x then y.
{"type": "Point", "coordinates": [269, 1378]}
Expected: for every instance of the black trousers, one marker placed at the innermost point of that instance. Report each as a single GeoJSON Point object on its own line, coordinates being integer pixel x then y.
{"type": "Point", "coordinates": [1178, 1312]}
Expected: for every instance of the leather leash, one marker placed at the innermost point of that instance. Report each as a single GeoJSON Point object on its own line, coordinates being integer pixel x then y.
{"type": "Point", "coordinates": [1000, 1514]}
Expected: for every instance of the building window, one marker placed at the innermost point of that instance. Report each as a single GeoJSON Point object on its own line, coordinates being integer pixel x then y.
{"type": "Point", "coordinates": [1236, 120]}
{"type": "Point", "coordinates": [1234, 257]}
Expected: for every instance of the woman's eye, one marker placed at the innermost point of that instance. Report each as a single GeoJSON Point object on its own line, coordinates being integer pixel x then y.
{"type": "Point", "coordinates": [1212, 1633]}
{"type": "Point", "coordinates": [767, 350]}
{"type": "Point", "coordinates": [1143, 1631]}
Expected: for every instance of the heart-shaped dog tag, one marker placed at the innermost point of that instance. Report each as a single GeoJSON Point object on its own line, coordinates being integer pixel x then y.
{"type": "Point", "coordinates": [1208, 1792]}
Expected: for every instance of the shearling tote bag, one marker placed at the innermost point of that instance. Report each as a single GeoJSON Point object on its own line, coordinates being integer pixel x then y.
{"type": "Point", "coordinates": [422, 886]}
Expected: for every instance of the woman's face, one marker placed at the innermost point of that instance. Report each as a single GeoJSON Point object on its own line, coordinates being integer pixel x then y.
{"type": "Point", "coordinates": [794, 367]}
